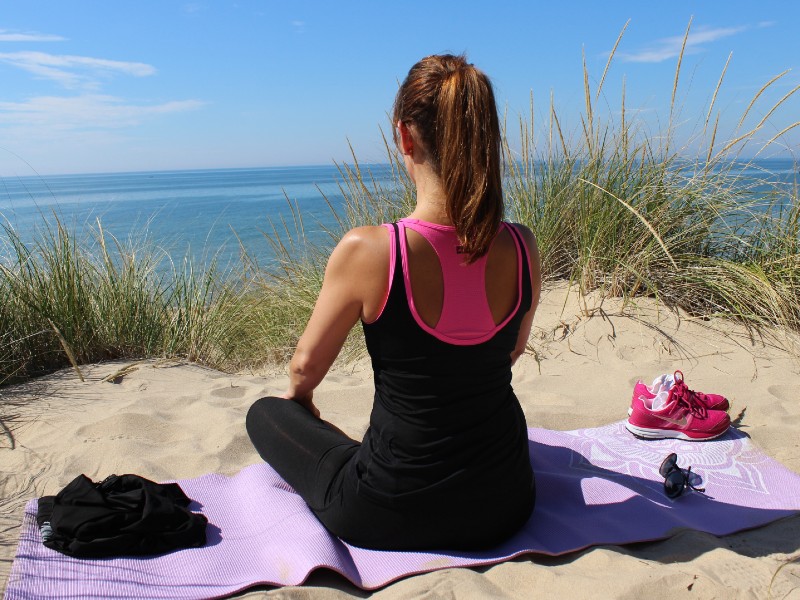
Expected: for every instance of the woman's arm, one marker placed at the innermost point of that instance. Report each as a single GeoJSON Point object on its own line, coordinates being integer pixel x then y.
{"type": "Point", "coordinates": [536, 288]}
{"type": "Point", "coordinates": [355, 283]}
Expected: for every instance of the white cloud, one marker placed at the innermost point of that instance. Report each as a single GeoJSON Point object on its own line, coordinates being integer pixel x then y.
{"type": "Point", "coordinates": [299, 26]}
{"type": "Point", "coordinates": [670, 47]}
{"type": "Point", "coordinates": [86, 112]}
{"type": "Point", "coordinates": [87, 127]}
{"type": "Point", "coordinates": [73, 71]}
{"type": "Point", "coordinates": [16, 36]}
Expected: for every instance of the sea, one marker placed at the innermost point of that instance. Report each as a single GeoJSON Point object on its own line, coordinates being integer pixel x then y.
{"type": "Point", "coordinates": [208, 215]}
{"type": "Point", "coordinates": [205, 216]}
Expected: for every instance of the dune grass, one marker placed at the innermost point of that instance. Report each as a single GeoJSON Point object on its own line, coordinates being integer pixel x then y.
{"type": "Point", "coordinates": [616, 211]}
{"type": "Point", "coordinates": [629, 214]}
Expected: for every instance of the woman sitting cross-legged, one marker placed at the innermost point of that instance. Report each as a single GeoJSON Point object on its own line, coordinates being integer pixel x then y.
{"type": "Point", "coordinates": [446, 297]}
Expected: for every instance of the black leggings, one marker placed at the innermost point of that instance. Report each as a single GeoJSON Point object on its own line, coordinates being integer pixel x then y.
{"type": "Point", "coordinates": [306, 451]}
{"type": "Point", "coordinates": [318, 461]}
{"type": "Point", "coordinates": [313, 457]}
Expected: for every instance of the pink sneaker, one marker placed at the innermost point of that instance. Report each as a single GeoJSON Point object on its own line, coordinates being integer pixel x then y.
{"type": "Point", "coordinates": [683, 416]}
{"type": "Point", "coordinates": [655, 396]}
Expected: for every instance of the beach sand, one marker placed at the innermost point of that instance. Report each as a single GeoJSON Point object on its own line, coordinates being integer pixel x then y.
{"type": "Point", "coordinates": [171, 420]}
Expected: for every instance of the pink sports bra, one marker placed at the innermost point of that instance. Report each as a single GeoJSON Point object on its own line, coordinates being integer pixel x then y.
{"type": "Point", "coordinates": [466, 317]}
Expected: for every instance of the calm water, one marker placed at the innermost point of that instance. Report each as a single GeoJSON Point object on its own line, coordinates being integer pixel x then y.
{"type": "Point", "coordinates": [200, 214]}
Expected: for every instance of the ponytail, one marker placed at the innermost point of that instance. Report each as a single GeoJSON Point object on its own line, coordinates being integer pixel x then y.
{"type": "Point", "coordinates": [452, 105]}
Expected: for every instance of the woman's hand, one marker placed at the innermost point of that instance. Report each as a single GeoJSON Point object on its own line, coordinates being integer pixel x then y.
{"type": "Point", "coordinates": [304, 401]}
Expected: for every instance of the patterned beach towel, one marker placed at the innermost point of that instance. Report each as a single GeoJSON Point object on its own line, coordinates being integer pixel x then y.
{"type": "Point", "coordinates": [594, 486]}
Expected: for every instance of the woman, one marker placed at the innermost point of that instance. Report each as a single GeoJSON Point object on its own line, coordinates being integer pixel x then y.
{"type": "Point", "coordinates": [446, 298]}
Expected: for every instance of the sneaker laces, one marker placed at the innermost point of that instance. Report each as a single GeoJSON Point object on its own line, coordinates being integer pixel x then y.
{"type": "Point", "coordinates": [688, 398]}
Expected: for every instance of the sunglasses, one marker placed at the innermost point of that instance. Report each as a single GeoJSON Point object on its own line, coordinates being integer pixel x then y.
{"type": "Point", "coordinates": [676, 479]}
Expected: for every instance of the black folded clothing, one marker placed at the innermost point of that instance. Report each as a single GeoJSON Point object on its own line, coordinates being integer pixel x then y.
{"type": "Point", "coordinates": [120, 516]}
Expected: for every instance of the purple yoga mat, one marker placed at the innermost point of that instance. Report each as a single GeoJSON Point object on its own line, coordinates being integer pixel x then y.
{"type": "Point", "coordinates": [594, 486]}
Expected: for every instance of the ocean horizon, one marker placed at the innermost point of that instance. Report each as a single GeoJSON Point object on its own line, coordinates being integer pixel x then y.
{"type": "Point", "coordinates": [204, 214]}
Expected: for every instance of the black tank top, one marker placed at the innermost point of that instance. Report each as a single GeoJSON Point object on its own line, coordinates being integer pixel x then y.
{"type": "Point", "coordinates": [445, 420]}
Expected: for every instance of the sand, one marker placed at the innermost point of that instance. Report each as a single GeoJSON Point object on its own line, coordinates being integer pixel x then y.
{"type": "Point", "coordinates": [172, 420]}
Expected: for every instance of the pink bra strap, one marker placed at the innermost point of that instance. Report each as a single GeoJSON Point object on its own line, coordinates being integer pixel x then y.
{"type": "Point", "coordinates": [466, 317]}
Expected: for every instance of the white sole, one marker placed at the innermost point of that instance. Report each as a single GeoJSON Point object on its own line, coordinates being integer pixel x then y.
{"type": "Point", "coordinates": [655, 434]}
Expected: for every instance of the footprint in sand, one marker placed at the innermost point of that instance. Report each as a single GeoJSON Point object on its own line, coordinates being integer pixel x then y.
{"type": "Point", "coordinates": [785, 393]}
{"type": "Point", "coordinates": [638, 354]}
{"type": "Point", "coordinates": [239, 450]}
{"type": "Point", "coordinates": [229, 392]}
{"type": "Point", "coordinates": [129, 426]}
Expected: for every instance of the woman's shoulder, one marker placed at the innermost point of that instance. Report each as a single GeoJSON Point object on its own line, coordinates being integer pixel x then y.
{"type": "Point", "coordinates": [362, 246]}
{"type": "Point", "coordinates": [358, 265]}
{"type": "Point", "coordinates": [524, 231]}
{"type": "Point", "coordinates": [528, 238]}
{"type": "Point", "coordinates": [365, 239]}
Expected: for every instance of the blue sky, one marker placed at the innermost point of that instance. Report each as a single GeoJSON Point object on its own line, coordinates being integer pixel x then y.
{"type": "Point", "coordinates": [100, 86]}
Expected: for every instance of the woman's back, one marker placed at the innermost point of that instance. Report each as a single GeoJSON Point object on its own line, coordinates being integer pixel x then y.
{"type": "Point", "coordinates": [445, 418]}
{"type": "Point", "coordinates": [480, 295]}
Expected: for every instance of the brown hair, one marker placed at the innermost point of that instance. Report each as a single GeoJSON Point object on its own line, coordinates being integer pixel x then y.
{"type": "Point", "coordinates": [451, 104]}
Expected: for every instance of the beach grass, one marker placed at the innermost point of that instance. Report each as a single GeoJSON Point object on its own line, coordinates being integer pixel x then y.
{"type": "Point", "coordinates": [626, 214]}
{"type": "Point", "coordinates": [617, 211]}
